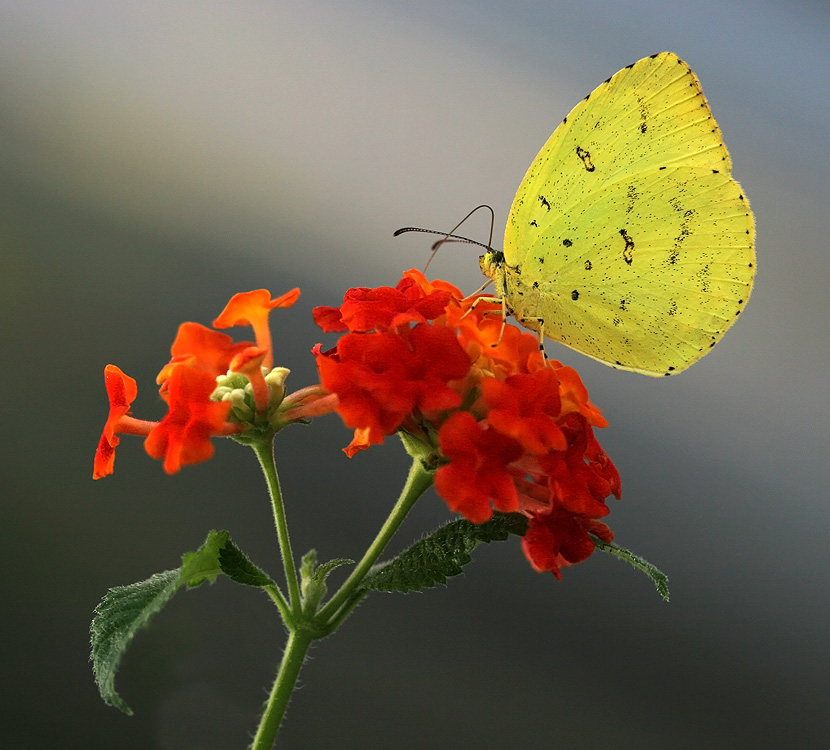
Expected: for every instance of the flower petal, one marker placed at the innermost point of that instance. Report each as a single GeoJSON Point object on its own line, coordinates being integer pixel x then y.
{"type": "Point", "coordinates": [183, 436]}
{"type": "Point", "coordinates": [477, 473]}
{"type": "Point", "coordinates": [203, 349]}
{"type": "Point", "coordinates": [121, 392]}
{"type": "Point", "coordinates": [252, 308]}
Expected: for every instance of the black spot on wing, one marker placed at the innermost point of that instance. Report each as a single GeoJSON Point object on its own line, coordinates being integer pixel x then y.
{"type": "Point", "coordinates": [585, 156]}
{"type": "Point", "coordinates": [628, 250]}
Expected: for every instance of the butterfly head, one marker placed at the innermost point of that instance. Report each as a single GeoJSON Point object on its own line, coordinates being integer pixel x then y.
{"type": "Point", "coordinates": [491, 263]}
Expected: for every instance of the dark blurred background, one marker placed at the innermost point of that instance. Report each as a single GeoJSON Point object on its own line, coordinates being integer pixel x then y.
{"type": "Point", "coordinates": [157, 158]}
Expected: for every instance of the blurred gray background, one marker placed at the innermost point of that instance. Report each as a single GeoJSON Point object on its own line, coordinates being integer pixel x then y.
{"type": "Point", "coordinates": [156, 158]}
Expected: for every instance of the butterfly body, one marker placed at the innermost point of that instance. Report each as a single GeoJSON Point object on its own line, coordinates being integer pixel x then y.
{"type": "Point", "coordinates": [628, 239]}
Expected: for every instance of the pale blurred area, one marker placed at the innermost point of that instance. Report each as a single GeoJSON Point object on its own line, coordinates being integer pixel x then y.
{"type": "Point", "coordinates": [155, 158]}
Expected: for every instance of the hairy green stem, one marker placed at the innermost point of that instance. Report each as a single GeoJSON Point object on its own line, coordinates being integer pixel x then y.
{"type": "Point", "coordinates": [265, 454]}
{"type": "Point", "coordinates": [418, 481]}
{"type": "Point", "coordinates": [292, 660]}
{"type": "Point", "coordinates": [304, 627]}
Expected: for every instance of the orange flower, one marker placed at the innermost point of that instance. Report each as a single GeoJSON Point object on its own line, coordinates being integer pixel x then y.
{"type": "Point", "coordinates": [121, 391]}
{"type": "Point", "coordinates": [383, 308]}
{"type": "Point", "coordinates": [557, 539]}
{"type": "Point", "coordinates": [247, 398]}
{"type": "Point", "coordinates": [183, 436]}
{"type": "Point", "coordinates": [477, 473]}
{"type": "Point", "coordinates": [251, 309]}
{"type": "Point", "coordinates": [203, 349]}
{"type": "Point", "coordinates": [249, 362]}
{"type": "Point", "coordinates": [526, 408]}
{"type": "Point", "coordinates": [382, 378]}
{"type": "Point", "coordinates": [504, 428]}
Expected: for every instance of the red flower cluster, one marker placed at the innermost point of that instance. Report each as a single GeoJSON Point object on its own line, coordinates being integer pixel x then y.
{"type": "Point", "coordinates": [510, 430]}
{"type": "Point", "coordinates": [199, 356]}
{"type": "Point", "coordinates": [503, 427]}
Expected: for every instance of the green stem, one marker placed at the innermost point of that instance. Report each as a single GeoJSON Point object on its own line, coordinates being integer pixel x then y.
{"type": "Point", "coordinates": [278, 599]}
{"type": "Point", "coordinates": [418, 481]}
{"type": "Point", "coordinates": [305, 627]}
{"type": "Point", "coordinates": [292, 661]}
{"type": "Point", "coordinates": [265, 453]}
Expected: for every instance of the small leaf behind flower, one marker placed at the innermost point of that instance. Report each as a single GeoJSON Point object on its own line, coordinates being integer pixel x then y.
{"type": "Point", "coordinates": [124, 610]}
{"type": "Point", "coordinates": [658, 578]}
{"type": "Point", "coordinates": [203, 564]}
{"type": "Point", "coordinates": [441, 554]}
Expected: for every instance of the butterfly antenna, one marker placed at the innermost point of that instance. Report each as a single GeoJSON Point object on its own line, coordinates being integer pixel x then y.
{"type": "Point", "coordinates": [450, 236]}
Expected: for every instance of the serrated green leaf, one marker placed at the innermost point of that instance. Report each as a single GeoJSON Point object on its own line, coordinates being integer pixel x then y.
{"type": "Point", "coordinates": [124, 610]}
{"type": "Point", "coordinates": [237, 566]}
{"type": "Point", "coordinates": [658, 578]}
{"type": "Point", "coordinates": [441, 554]}
{"type": "Point", "coordinates": [121, 613]}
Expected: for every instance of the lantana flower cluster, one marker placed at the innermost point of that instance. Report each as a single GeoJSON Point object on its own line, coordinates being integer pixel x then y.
{"type": "Point", "coordinates": [474, 399]}
{"type": "Point", "coordinates": [506, 428]}
{"type": "Point", "coordinates": [213, 387]}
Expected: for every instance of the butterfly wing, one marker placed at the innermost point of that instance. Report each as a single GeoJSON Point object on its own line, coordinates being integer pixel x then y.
{"type": "Point", "coordinates": [628, 236]}
{"type": "Point", "coordinates": [646, 276]}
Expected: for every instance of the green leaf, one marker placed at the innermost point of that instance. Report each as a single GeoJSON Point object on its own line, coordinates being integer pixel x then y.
{"type": "Point", "coordinates": [313, 579]}
{"type": "Point", "coordinates": [203, 564]}
{"type": "Point", "coordinates": [327, 567]}
{"type": "Point", "coordinates": [237, 566]}
{"type": "Point", "coordinates": [121, 613]}
{"type": "Point", "coordinates": [441, 554]}
{"type": "Point", "coordinates": [124, 610]}
{"type": "Point", "coordinates": [658, 578]}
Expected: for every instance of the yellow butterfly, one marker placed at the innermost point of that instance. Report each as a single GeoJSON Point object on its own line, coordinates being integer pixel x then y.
{"type": "Point", "coordinates": [628, 239]}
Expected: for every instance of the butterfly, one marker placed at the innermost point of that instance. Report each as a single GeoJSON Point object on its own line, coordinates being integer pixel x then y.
{"type": "Point", "coordinates": [628, 239]}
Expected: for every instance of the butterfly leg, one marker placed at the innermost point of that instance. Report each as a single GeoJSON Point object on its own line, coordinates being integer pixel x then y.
{"type": "Point", "coordinates": [504, 311]}
{"type": "Point", "coordinates": [538, 325]}
{"type": "Point", "coordinates": [534, 324]}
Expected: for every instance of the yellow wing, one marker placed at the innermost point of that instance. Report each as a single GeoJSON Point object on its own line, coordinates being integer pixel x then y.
{"type": "Point", "coordinates": [628, 239]}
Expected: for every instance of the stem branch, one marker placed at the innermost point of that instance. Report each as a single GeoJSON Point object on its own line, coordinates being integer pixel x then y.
{"type": "Point", "coordinates": [418, 481]}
